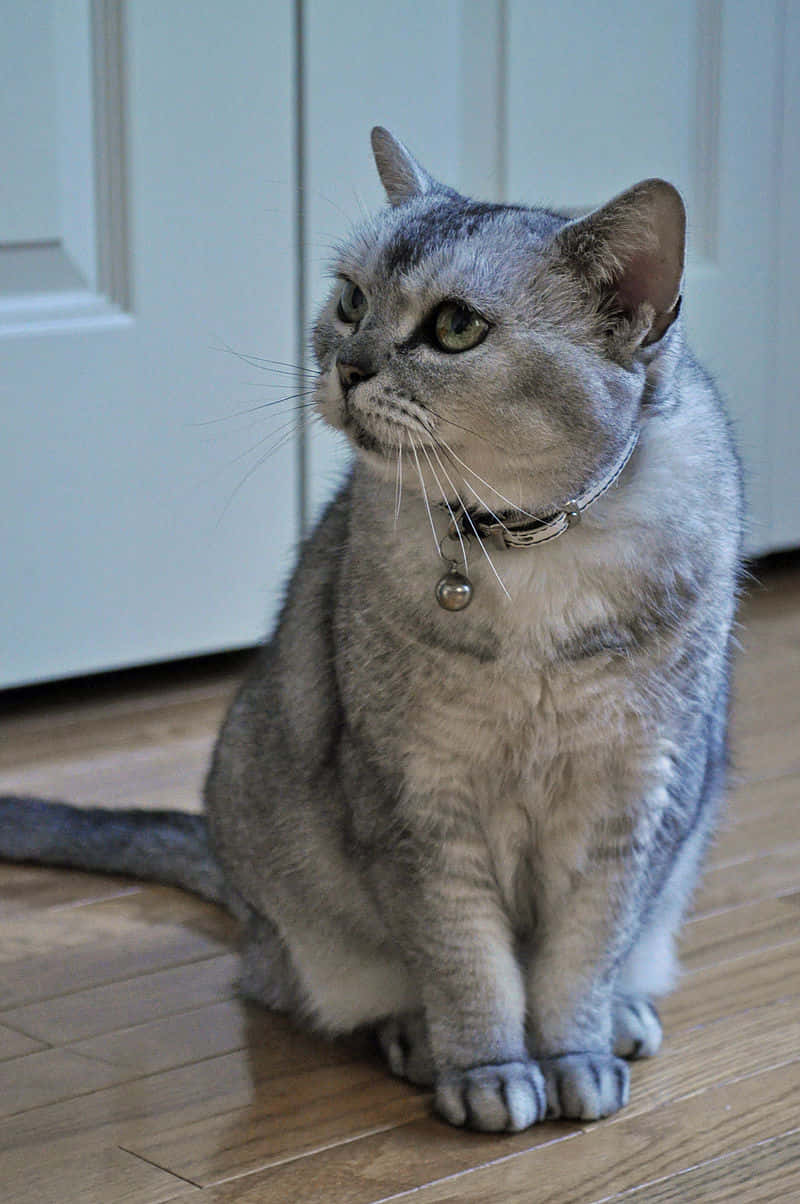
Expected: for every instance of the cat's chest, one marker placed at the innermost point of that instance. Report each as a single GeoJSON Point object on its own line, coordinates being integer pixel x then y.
{"type": "Point", "coordinates": [539, 677]}
{"type": "Point", "coordinates": [532, 749]}
{"type": "Point", "coordinates": [515, 734]}
{"type": "Point", "coordinates": [512, 686]}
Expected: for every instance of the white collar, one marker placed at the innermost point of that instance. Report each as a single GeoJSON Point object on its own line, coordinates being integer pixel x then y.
{"type": "Point", "coordinates": [527, 532]}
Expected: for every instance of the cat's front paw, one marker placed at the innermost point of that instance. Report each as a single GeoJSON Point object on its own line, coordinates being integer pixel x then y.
{"type": "Point", "coordinates": [585, 1086]}
{"type": "Point", "coordinates": [637, 1028]}
{"type": "Point", "coordinates": [497, 1099]}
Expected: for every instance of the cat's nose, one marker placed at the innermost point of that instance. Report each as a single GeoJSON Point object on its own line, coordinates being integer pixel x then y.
{"type": "Point", "coordinates": [352, 374]}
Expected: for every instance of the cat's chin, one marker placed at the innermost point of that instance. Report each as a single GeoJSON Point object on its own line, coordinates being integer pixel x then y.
{"type": "Point", "coordinates": [380, 458]}
{"type": "Point", "coordinates": [378, 450]}
{"type": "Point", "coordinates": [362, 439]}
{"type": "Point", "coordinates": [379, 454]}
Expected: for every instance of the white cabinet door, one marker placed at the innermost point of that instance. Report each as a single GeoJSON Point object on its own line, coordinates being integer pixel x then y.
{"type": "Point", "coordinates": [705, 93]}
{"type": "Point", "coordinates": [150, 218]}
{"type": "Point", "coordinates": [149, 227]}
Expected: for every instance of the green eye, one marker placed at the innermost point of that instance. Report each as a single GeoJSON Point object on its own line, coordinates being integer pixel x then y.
{"type": "Point", "coordinates": [352, 303]}
{"type": "Point", "coordinates": [458, 327]}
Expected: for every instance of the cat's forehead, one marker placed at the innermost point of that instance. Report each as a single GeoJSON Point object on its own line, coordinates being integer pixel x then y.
{"type": "Point", "coordinates": [446, 242]}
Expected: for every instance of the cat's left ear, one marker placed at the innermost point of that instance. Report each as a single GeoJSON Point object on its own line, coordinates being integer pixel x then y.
{"type": "Point", "coordinates": [631, 252]}
{"type": "Point", "coordinates": [401, 175]}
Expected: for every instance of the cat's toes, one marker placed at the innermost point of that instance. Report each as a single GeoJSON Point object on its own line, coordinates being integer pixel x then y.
{"type": "Point", "coordinates": [637, 1028]}
{"type": "Point", "coordinates": [585, 1086]}
{"type": "Point", "coordinates": [497, 1099]}
{"type": "Point", "coordinates": [404, 1041]}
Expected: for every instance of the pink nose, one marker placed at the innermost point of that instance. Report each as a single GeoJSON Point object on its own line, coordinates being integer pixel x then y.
{"type": "Point", "coordinates": [351, 374]}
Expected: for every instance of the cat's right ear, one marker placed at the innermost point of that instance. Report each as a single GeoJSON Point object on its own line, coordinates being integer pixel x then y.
{"type": "Point", "coordinates": [401, 175]}
{"type": "Point", "coordinates": [631, 254]}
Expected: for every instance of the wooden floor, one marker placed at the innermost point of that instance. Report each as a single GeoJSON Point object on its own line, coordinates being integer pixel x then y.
{"type": "Point", "coordinates": [130, 1072]}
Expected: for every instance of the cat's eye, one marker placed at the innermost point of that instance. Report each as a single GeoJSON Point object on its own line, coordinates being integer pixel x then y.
{"type": "Point", "coordinates": [352, 302]}
{"type": "Point", "coordinates": [457, 327]}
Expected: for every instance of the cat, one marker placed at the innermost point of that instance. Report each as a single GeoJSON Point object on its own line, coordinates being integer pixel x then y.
{"type": "Point", "coordinates": [464, 795]}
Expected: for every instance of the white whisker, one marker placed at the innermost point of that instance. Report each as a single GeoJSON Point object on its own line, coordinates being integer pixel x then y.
{"type": "Point", "coordinates": [486, 507]}
{"type": "Point", "coordinates": [398, 484]}
{"type": "Point", "coordinates": [471, 523]}
{"type": "Point", "coordinates": [486, 554]}
{"type": "Point", "coordinates": [456, 525]}
{"type": "Point", "coordinates": [474, 493]}
{"type": "Point", "coordinates": [448, 478]}
{"type": "Point", "coordinates": [424, 492]}
{"type": "Point", "coordinates": [502, 496]}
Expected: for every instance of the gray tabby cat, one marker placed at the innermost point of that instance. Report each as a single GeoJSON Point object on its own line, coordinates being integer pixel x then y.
{"type": "Point", "coordinates": [476, 827]}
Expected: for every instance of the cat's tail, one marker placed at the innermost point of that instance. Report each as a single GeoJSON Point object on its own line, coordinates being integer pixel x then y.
{"type": "Point", "coordinates": [172, 847]}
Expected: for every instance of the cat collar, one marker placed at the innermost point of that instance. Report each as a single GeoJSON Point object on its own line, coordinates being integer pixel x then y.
{"type": "Point", "coordinates": [454, 590]}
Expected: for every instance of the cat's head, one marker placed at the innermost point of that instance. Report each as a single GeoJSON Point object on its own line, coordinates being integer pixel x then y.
{"type": "Point", "coordinates": [506, 339]}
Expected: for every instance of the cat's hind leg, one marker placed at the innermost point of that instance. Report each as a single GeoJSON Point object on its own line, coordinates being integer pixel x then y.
{"type": "Point", "coordinates": [651, 967]}
{"type": "Point", "coordinates": [346, 993]}
{"type": "Point", "coordinates": [635, 1026]}
{"type": "Point", "coordinates": [340, 982]}
{"type": "Point", "coordinates": [406, 1046]}
{"type": "Point", "coordinates": [267, 973]}
{"type": "Point", "coordinates": [341, 993]}
{"type": "Point", "coordinates": [329, 985]}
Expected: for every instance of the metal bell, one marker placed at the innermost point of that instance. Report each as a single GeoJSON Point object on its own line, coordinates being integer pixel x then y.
{"type": "Point", "coordinates": [453, 590]}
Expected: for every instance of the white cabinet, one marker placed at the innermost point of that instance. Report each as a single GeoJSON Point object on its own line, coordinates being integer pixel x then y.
{"type": "Point", "coordinates": [124, 539]}
{"type": "Point", "coordinates": [154, 218]}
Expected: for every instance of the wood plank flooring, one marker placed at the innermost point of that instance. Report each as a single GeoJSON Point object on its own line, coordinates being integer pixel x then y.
{"type": "Point", "coordinates": [130, 1072]}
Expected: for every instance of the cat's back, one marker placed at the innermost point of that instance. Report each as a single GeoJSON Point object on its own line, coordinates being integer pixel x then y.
{"type": "Point", "coordinates": [286, 712]}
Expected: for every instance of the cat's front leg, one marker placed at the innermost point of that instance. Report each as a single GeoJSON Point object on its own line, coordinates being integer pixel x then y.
{"type": "Point", "coordinates": [570, 985]}
{"type": "Point", "coordinates": [475, 1010]}
{"type": "Point", "coordinates": [459, 944]}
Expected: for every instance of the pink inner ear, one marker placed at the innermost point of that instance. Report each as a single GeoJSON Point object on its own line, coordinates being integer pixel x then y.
{"type": "Point", "coordinates": [648, 277]}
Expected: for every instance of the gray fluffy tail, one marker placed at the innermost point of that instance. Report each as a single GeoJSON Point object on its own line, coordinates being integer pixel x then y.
{"type": "Point", "coordinates": [164, 846]}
